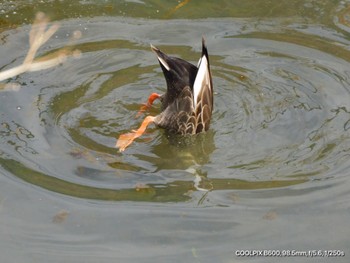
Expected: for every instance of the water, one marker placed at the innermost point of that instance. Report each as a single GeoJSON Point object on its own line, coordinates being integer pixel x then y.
{"type": "Point", "coordinates": [271, 173]}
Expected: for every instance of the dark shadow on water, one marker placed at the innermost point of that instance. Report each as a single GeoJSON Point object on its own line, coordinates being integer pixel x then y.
{"type": "Point", "coordinates": [176, 191]}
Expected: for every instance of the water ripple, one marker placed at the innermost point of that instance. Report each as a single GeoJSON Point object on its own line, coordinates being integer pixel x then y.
{"type": "Point", "coordinates": [281, 112]}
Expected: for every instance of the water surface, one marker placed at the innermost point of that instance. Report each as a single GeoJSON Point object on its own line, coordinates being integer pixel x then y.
{"type": "Point", "coordinates": [271, 173]}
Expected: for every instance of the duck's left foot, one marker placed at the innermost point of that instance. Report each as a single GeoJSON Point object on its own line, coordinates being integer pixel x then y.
{"type": "Point", "coordinates": [126, 139]}
{"type": "Point", "coordinates": [149, 103]}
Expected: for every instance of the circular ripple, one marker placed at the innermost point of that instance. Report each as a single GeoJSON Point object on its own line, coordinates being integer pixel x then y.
{"type": "Point", "coordinates": [292, 109]}
{"type": "Point", "coordinates": [280, 113]}
{"type": "Point", "coordinates": [281, 110]}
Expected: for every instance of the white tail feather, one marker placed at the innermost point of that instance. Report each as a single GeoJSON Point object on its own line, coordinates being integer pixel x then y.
{"type": "Point", "coordinates": [202, 76]}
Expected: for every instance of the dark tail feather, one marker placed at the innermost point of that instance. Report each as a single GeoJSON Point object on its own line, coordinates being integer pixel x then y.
{"type": "Point", "coordinates": [204, 49]}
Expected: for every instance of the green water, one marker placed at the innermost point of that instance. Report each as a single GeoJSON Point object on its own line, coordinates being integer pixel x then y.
{"type": "Point", "coordinates": [271, 173]}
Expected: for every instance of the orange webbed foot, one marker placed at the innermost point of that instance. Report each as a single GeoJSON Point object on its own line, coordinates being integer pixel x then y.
{"type": "Point", "coordinates": [126, 139]}
{"type": "Point", "coordinates": [149, 103]}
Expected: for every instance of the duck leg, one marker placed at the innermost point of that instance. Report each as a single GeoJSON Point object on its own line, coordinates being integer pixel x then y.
{"type": "Point", "coordinates": [126, 139]}
{"type": "Point", "coordinates": [149, 103]}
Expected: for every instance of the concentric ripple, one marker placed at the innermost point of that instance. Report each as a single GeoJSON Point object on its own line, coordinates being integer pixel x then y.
{"type": "Point", "coordinates": [281, 114]}
{"type": "Point", "coordinates": [292, 106]}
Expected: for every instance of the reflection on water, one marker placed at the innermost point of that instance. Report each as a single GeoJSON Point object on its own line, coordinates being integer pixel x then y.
{"type": "Point", "coordinates": [173, 192]}
{"type": "Point", "coordinates": [275, 160]}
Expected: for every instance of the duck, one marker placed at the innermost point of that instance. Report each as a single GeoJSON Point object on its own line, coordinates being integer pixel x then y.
{"type": "Point", "coordinates": [187, 104]}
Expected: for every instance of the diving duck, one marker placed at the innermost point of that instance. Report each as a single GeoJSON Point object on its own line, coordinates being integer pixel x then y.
{"type": "Point", "coordinates": [187, 104]}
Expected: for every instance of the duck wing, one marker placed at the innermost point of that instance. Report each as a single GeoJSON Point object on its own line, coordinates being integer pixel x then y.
{"type": "Point", "coordinates": [203, 92]}
{"type": "Point", "coordinates": [179, 117]}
